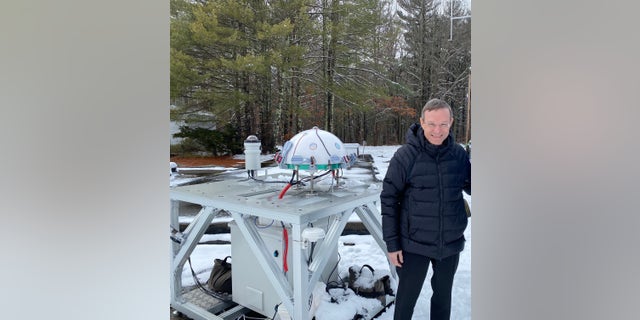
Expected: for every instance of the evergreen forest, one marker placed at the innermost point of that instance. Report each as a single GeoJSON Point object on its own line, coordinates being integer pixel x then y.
{"type": "Point", "coordinates": [361, 69]}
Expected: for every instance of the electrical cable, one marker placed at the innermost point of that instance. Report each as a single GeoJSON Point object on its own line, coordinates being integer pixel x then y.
{"type": "Point", "coordinates": [291, 182]}
{"type": "Point", "coordinates": [265, 181]}
{"type": "Point", "coordinates": [340, 284]}
{"type": "Point", "coordinates": [276, 310]}
{"type": "Point", "coordinates": [310, 259]}
{"type": "Point", "coordinates": [220, 296]}
{"type": "Point", "coordinates": [310, 255]}
{"type": "Point", "coordinates": [253, 318]}
{"type": "Point", "coordinates": [333, 270]}
{"type": "Point", "coordinates": [255, 222]}
{"type": "Point", "coordinates": [176, 235]}
{"type": "Point", "coordinates": [285, 239]}
{"type": "Point", "coordinates": [284, 190]}
{"type": "Point", "coordinates": [325, 147]}
{"type": "Point", "coordinates": [316, 177]}
{"type": "Point", "coordinates": [386, 307]}
{"type": "Point", "coordinates": [301, 181]}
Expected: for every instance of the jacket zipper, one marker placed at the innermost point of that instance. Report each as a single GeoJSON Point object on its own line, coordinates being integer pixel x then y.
{"type": "Point", "coordinates": [440, 204]}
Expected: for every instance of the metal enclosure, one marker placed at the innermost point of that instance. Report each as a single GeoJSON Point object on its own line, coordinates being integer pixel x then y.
{"type": "Point", "coordinates": [251, 287]}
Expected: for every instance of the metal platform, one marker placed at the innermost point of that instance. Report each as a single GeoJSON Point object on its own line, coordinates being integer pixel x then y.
{"type": "Point", "coordinates": [246, 199]}
{"type": "Point", "coordinates": [222, 309]}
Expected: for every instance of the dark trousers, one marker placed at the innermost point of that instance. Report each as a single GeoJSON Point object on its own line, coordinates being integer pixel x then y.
{"type": "Point", "coordinates": [412, 275]}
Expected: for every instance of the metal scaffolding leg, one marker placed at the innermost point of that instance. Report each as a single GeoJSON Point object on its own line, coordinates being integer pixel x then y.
{"type": "Point", "coordinates": [368, 215]}
{"type": "Point", "coordinates": [300, 276]}
{"type": "Point", "coordinates": [328, 245]}
{"type": "Point", "coordinates": [194, 232]}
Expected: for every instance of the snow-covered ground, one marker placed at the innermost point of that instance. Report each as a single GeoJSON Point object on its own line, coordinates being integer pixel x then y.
{"type": "Point", "coordinates": [361, 249]}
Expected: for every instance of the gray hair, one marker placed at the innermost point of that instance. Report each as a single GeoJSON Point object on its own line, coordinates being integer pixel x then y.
{"type": "Point", "coordinates": [435, 104]}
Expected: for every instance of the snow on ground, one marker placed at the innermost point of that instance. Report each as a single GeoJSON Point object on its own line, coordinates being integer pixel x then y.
{"type": "Point", "coordinates": [354, 250]}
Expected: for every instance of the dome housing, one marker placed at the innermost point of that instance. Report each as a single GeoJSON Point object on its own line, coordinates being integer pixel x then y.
{"type": "Point", "coordinates": [314, 149]}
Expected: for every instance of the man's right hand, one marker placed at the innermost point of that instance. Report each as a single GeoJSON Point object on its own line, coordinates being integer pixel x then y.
{"type": "Point", "coordinates": [396, 258]}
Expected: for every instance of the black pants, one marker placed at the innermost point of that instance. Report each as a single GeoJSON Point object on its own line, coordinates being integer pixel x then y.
{"type": "Point", "coordinates": [412, 276]}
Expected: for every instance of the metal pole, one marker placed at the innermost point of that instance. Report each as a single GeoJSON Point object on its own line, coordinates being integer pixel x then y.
{"type": "Point", "coordinates": [451, 21]}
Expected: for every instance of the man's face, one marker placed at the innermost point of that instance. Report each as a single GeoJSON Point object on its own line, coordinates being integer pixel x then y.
{"type": "Point", "coordinates": [436, 124]}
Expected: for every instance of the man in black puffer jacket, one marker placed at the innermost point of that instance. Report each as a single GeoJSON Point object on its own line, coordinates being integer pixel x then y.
{"type": "Point", "coordinates": [423, 211]}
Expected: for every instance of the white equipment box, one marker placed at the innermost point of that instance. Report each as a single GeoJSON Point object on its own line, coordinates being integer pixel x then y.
{"type": "Point", "coordinates": [251, 286]}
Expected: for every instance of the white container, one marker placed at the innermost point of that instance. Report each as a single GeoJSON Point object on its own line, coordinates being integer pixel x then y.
{"type": "Point", "coordinates": [252, 153]}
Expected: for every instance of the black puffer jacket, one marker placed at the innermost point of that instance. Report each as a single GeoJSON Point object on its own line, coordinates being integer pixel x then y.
{"type": "Point", "coordinates": [423, 210]}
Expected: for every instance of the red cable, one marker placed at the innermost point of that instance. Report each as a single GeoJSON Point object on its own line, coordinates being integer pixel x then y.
{"type": "Point", "coordinates": [285, 236]}
{"type": "Point", "coordinates": [284, 190]}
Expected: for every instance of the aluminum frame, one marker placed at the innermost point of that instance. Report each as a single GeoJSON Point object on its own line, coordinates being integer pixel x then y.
{"type": "Point", "coordinates": [245, 199]}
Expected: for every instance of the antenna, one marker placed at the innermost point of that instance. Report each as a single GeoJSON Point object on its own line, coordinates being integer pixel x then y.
{"type": "Point", "coordinates": [451, 18]}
